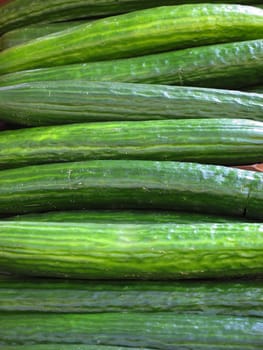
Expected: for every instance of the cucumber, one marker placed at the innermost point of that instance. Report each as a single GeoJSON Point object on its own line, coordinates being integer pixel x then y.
{"type": "Point", "coordinates": [239, 298]}
{"type": "Point", "coordinates": [131, 251]}
{"type": "Point", "coordinates": [132, 184]}
{"type": "Point", "coordinates": [138, 33]}
{"type": "Point", "coordinates": [155, 331]}
{"type": "Point", "coordinates": [30, 32]}
{"type": "Point", "coordinates": [231, 65]}
{"type": "Point", "coordinates": [217, 141]}
{"type": "Point", "coordinates": [18, 13]}
{"type": "Point", "coordinates": [257, 89]}
{"type": "Point", "coordinates": [68, 347]}
{"type": "Point", "coordinates": [124, 216]}
{"type": "Point", "coordinates": [74, 101]}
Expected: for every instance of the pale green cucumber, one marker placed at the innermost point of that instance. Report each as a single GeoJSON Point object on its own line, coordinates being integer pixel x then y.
{"type": "Point", "coordinates": [74, 101]}
{"type": "Point", "coordinates": [131, 251]}
{"type": "Point", "coordinates": [233, 297]}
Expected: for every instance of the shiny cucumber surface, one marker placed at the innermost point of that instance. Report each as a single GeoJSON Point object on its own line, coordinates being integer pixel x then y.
{"type": "Point", "coordinates": [76, 101]}
{"type": "Point", "coordinates": [131, 251]}
{"type": "Point", "coordinates": [158, 330]}
{"type": "Point", "coordinates": [138, 33]}
{"type": "Point", "coordinates": [132, 184]}
{"type": "Point", "coordinates": [214, 141]}
{"type": "Point", "coordinates": [228, 66]}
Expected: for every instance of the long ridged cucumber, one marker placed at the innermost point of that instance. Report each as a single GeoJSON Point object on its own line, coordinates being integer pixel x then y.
{"type": "Point", "coordinates": [138, 33]}
{"type": "Point", "coordinates": [132, 184]}
{"type": "Point", "coordinates": [240, 298]}
{"type": "Point", "coordinates": [164, 331]}
{"type": "Point", "coordinates": [231, 65]}
{"type": "Point", "coordinates": [131, 251]}
{"type": "Point", "coordinates": [68, 347]}
{"type": "Point", "coordinates": [18, 13]}
{"type": "Point", "coordinates": [30, 32]}
{"type": "Point", "coordinates": [62, 102]}
{"type": "Point", "coordinates": [214, 141]}
{"type": "Point", "coordinates": [124, 216]}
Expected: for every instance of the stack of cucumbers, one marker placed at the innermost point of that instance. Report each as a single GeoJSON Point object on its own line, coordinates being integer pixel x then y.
{"type": "Point", "coordinates": [127, 220]}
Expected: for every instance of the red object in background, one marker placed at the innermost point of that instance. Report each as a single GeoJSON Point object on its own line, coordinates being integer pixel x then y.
{"type": "Point", "coordinates": [254, 167]}
{"type": "Point", "coordinates": [2, 126]}
{"type": "Point", "coordinates": [2, 2]}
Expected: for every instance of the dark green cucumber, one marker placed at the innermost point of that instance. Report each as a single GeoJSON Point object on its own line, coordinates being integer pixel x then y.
{"type": "Point", "coordinates": [214, 141]}
{"type": "Point", "coordinates": [240, 298]}
{"type": "Point", "coordinates": [164, 331]}
{"type": "Point", "coordinates": [68, 347]}
{"type": "Point", "coordinates": [132, 184]}
{"type": "Point", "coordinates": [124, 216]}
{"type": "Point", "coordinates": [131, 251]}
{"type": "Point", "coordinates": [231, 65]}
{"type": "Point", "coordinates": [76, 101]}
{"type": "Point", "coordinates": [18, 13]}
{"type": "Point", "coordinates": [138, 33]}
{"type": "Point", "coordinates": [30, 32]}
{"type": "Point", "coordinates": [256, 89]}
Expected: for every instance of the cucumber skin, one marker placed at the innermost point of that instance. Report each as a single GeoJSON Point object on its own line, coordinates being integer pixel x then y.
{"type": "Point", "coordinates": [16, 14]}
{"type": "Point", "coordinates": [68, 347]}
{"type": "Point", "coordinates": [256, 89]}
{"type": "Point", "coordinates": [152, 30]}
{"type": "Point", "coordinates": [112, 184]}
{"type": "Point", "coordinates": [124, 216]}
{"type": "Point", "coordinates": [214, 141]}
{"type": "Point", "coordinates": [239, 298]}
{"type": "Point", "coordinates": [61, 102]}
{"type": "Point", "coordinates": [158, 330]}
{"type": "Point", "coordinates": [232, 65]}
{"type": "Point", "coordinates": [131, 251]}
{"type": "Point", "coordinates": [22, 35]}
